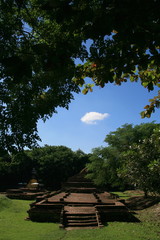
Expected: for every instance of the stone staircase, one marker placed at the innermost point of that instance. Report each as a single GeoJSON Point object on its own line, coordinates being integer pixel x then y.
{"type": "Point", "coordinates": [77, 217]}
{"type": "Point", "coordinates": [79, 184]}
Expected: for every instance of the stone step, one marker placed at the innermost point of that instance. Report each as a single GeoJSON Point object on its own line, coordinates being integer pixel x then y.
{"type": "Point", "coordinates": [79, 208]}
{"type": "Point", "coordinates": [80, 214]}
{"type": "Point", "coordinates": [82, 221]}
{"type": "Point", "coordinates": [82, 224]}
{"type": "Point", "coordinates": [78, 228]}
{"type": "Point", "coordinates": [81, 217]}
{"type": "Point", "coordinates": [78, 184]}
{"type": "Point", "coordinates": [81, 189]}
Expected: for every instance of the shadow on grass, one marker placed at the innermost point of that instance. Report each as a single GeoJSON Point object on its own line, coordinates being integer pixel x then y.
{"type": "Point", "coordinates": [140, 203]}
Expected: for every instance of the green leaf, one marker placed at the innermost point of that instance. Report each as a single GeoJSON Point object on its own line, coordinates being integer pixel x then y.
{"type": "Point", "coordinates": [145, 84]}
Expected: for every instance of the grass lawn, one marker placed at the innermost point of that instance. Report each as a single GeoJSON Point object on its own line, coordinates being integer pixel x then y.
{"type": "Point", "coordinates": [128, 194]}
{"type": "Point", "coordinates": [14, 227]}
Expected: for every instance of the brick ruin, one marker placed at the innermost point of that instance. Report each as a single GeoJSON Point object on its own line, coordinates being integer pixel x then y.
{"type": "Point", "coordinates": [27, 191]}
{"type": "Point", "coordinates": [79, 205]}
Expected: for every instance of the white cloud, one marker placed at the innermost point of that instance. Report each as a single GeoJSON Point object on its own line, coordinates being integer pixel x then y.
{"type": "Point", "coordinates": [93, 117]}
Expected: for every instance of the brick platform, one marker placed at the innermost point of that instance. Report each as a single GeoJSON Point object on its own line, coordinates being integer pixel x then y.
{"type": "Point", "coordinates": [80, 207]}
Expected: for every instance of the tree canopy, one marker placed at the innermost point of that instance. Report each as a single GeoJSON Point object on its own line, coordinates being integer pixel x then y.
{"type": "Point", "coordinates": [40, 41]}
{"type": "Point", "coordinates": [141, 163]}
{"type": "Point", "coordinates": [132, 158]}
{"type": "Point", "coordinates": [53, 164]}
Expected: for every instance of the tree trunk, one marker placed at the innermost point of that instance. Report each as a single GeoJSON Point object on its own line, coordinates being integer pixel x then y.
{"type": "Point", "coordinates": [145, 193]}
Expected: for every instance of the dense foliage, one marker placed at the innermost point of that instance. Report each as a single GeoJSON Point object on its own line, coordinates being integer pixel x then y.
{"type": "Point", "coordinates": [40, 41]}
{"type": "Point", "coordinates": [102, 168]}
{"type": "Point", "coordinates": [53, 164]}
{"type": "Point", "coordinates": [141, 163]}
{"type": "Point", "coordinates": [35, 75]}
{"type": "Point", "coordinates": [132, 158]}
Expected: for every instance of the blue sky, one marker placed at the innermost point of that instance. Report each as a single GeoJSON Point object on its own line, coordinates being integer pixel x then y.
{"type": "Point", "coordinates": [113, 105]}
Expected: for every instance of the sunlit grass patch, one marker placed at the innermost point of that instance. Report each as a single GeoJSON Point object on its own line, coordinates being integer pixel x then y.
{"type": "Point", "coordinates": [13, 225]}
{"type": "Point", "coordinates": [128, 194]}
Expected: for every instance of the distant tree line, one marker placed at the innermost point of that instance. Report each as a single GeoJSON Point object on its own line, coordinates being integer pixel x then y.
{"type": "Point", "coordinates": [53, 164]}
{"type": "Point", "coordinates": [131, 159]}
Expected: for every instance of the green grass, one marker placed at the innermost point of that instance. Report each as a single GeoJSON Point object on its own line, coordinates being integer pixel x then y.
{"type": "Point", "coordinates": [128, 194]}
{"type": "Point", "coordinates": [14, 227]}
